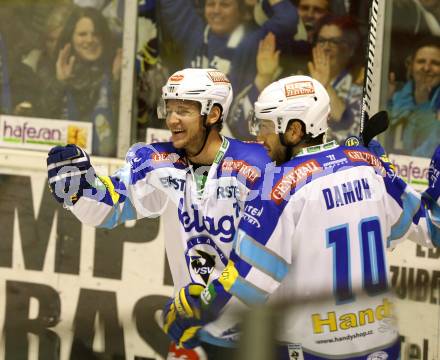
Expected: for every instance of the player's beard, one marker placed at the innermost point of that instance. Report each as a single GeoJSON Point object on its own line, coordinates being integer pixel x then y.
{"type": "Point", "coordinates": [196, 141]}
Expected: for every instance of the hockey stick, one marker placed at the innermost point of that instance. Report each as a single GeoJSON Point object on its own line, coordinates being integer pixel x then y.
{"type": "Point", "coordinates": [371, 51]}
{"type": "Point", "coordinates": [378, 123]}
{"type": "Point", "coordinates": [374, 126]}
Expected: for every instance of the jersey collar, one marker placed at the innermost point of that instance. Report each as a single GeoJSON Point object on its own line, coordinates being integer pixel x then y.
{"type": "Point", "coordinates": [318, 148]}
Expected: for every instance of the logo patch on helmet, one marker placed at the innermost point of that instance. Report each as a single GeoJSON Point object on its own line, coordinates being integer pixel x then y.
{"type": "Point", "coordinates": [299, 88]}
{"type": "Point", "coordinates": [176, 77]}
{"type": "Point", "coordinates": [218, 77]}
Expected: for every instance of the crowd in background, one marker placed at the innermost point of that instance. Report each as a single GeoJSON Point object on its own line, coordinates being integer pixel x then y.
{"type": "Point", "coordinates": [62, 60]}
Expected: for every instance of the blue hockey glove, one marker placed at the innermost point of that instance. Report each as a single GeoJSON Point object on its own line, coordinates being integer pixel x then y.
{"type": "Point", "coordinates": [182, 316]}
{"type": "Point", "coordinates": [376, 148]}
{"type": "Point", "coordinates": [69, 173]}
{"type": "Point", "coordinates": [433, 190]}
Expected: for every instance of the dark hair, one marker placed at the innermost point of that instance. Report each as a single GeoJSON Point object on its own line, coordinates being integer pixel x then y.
{"type": "Point", "coordinates": [310, 141]}
{"type": "Point", "coordinates": [296, 3]}
{"type": "Point", "coordinates": [426, 41]}
{"type": "Point", "coordinates": [350, 32]}
{"type": "Point", "coordinates": [241, 6]}
{"type": "Point", "coordinates": [102, 30]}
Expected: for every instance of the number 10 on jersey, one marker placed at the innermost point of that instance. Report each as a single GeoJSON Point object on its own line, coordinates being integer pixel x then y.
{"type": "Point", "coordinates": [372, 259]}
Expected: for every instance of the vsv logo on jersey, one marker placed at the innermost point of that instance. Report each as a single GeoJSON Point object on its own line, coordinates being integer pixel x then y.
{"type": "Point", "coordinates": [195, 221]}
{"type": "Point", "coordinates": [203, 264]}
{"type": "Point", "coordinates": [203, 256]}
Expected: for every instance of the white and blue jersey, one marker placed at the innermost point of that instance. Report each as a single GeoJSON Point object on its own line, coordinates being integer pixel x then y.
{"type": "Point", "coordinates": [208, 207]}
{"type": "Point", "coordinates": [315, 240]}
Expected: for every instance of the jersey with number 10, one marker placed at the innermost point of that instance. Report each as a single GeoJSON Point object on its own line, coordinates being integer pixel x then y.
{"type": "Point", "coordinates": [315, 242]}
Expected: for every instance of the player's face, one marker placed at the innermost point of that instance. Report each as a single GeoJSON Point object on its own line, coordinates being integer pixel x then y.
{"type": "Point", "coordinates": [222, 16]}
{"type": "Point", "coordinates": [425, 67]}
{"type": "Point", "coordinates": [184, 121]}
{"type": "Point", "coordinates": [312, 11]}
{"type": "Point", "coordinates": [331, 40]}
{"type": "Point", "coordinates": [271, 141]}
{"type": "Point", "coordinates": [87, 44]}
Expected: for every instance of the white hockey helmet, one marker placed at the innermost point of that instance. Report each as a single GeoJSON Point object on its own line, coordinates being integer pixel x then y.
{"type": "Point", "coordinates": [207, 86]}
{"type": "Point", "coordinates": [295, 97]}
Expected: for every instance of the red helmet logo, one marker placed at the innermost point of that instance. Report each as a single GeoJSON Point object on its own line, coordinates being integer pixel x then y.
{"type": "Point", "coordinates": [176, 77]}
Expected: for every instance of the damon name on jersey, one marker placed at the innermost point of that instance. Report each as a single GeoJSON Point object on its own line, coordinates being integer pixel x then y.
{"type": "Point", "coordinates": [333, 212]}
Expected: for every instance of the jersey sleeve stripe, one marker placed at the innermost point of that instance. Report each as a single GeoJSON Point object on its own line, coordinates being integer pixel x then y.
{"type": "Point", "coordinates": [434, 209]}
{"type": "Point", "coordinates": [112, 220]}
{"type": "Point", "coordinates": [262, 258]}
{"type": "Point", "coordinates": [410, 204]}
{"type": "Point", "coordinates": [128, 211]}
{"type": "Point", "coordinates": [247, 292]}
{"type": "Point", "coordinates": [232, 283]}
{"type": "Point", "coordinates": [434, 232]}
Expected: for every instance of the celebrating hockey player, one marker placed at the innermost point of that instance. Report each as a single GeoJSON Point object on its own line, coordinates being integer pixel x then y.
{"type": "Point", "coordinates": [316, 238]}
{"type": "Point", "coordinates": [205, 174]}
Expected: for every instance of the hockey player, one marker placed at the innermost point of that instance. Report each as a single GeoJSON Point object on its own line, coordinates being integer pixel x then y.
{"type": "Point", "coordinates": [205, 174]}
{"type": "Point", "coordinates": [317, 236]}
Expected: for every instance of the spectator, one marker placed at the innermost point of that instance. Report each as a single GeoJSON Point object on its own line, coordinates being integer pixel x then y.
{"type": "Point", "coordinates": [17, 80]}
{"type": "Point", "coordinates": [84, 84]}
{"type": "Point", "coordinates": [151, 74]}
{"type": "Point", "coordinates": [415, 128]}
{"type": "Point", "coordinates": [297, 50]}
{"type": "Point", "coordinates": [222, 41]}
{"type": "Point", "coordinates": [336, 64]}
{"type": "Point", "coordinates": [311, 12]}
{"type": "Point", "coordinates": [411, 20]}
{"type": "Point", "coordinates": [53, 27]}
{"type": "Point", "coordinates": [113, 11]}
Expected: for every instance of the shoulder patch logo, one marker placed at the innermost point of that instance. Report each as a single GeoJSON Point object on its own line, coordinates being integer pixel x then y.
{"type": "Point", "coordinates": [298, 174]}
{"type": "Point", "coordinates": [242, 167]}
{"type": "Point", "coordinates": [363, 156]}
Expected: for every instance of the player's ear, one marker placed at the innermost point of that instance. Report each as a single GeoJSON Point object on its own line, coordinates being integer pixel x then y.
{"type": "Point", "coordinates": [214, 115]}
{"type": "Point", "coordinates": [294, 132]}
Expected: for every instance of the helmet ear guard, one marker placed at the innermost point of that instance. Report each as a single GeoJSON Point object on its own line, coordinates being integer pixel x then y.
{"type": "Point", "coordinates": [293, 98]}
